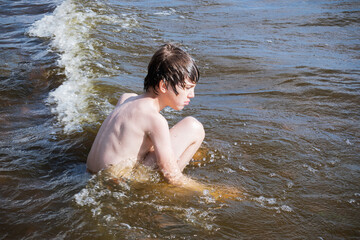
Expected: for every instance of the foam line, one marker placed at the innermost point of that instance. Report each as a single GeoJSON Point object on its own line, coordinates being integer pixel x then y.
{"type": "Point", "coordinates": [70, 27]}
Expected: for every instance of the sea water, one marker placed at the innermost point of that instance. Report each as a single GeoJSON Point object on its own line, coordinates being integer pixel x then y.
{"type": "Point", "coordinates": [278, 97]}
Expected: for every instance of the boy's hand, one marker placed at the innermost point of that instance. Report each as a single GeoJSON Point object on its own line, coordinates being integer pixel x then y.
{"type": "Point", "coordinates": [217, 192]}
{"type": "Point", "coordinates": [224, 192]}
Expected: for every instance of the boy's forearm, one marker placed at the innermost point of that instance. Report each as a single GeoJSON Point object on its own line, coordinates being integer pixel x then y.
{"type": "Point", "coordinates": [186, 182]}
{"type": "Point", "coordinates": [217, 192]}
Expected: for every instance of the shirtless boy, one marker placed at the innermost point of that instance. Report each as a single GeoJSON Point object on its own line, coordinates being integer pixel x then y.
{"type": "Point", "coordinates": [136, 133]}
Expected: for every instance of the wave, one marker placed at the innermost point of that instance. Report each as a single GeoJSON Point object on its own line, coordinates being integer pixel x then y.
{"type": "Point", "coordinates": [71, 28]}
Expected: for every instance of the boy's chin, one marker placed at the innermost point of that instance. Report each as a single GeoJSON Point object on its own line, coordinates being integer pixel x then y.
{"type": "Point", "coordinates": [178, 108]}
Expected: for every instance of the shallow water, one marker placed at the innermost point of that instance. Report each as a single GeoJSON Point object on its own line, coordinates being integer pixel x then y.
{"type": "Point", "coordinates": [278, 97]}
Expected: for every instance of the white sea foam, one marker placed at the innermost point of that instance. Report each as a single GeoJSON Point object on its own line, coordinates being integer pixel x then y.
{"type": "Point", "coordinates": [286, 208]}
{"type": "Point", "coordinates": [290, 184]}
{"type": "Point", "coordinates": [166, 12]}
{"type": "Point", "coordinates": [272, 203]}
{"type": "Point", "coordinates": [70, 27]}
{"type": "Point", "coordinates": [309, 168]}
{"type": "Point", "coordinates": [263, 200]}
{"type": "Point", "coordinates": [83, 198]}
{"type": "Point", "coordinates": [110, 204]}
{"type": "Point", "coordinates": [348, 142]}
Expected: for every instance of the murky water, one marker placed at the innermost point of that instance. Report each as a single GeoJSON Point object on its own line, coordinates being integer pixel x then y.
{"type": "Point", "coordinates": [278, 97]}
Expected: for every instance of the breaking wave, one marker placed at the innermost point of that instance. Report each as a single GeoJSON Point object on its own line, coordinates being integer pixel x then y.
{"type": "Point", "coordinates": [70, 28]}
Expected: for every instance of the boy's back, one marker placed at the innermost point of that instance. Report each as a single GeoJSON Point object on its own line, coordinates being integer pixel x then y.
{"type": "Point", "coordinates": [122, 138]}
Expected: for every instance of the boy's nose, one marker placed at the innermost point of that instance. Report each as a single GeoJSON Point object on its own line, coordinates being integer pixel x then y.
{"type": "Point", "coordinates": [191, 94]}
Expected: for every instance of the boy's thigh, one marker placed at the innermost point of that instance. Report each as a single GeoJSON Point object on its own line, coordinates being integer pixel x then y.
{"type": "Point", "coordinates": [182, 135]}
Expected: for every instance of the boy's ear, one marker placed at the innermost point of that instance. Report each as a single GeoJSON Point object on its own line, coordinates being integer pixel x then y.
{"type": "Point", "coordinates": [162, 86]}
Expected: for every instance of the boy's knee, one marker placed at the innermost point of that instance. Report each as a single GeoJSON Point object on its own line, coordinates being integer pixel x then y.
{"type": "Point", "coordinates": [195, 127]}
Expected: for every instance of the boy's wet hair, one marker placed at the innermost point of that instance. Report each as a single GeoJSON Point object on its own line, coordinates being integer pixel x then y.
{"type": "Point", "coordinates": [173, 65]}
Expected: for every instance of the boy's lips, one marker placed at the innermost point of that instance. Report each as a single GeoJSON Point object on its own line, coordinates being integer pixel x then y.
{"type": "Point", "coordinates": [187, 102]}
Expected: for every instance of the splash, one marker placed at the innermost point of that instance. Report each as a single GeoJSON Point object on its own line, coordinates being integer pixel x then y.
{"type": "Point", "coordinates": [272, 203]}
{"type": "Point", "coordinates": [112, 201]}
{"type": "Point", "coordinates": [70, 28]}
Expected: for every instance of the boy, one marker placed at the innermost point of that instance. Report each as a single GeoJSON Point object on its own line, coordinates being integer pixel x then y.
{"type": "Point", "coordinates": [135, 132]}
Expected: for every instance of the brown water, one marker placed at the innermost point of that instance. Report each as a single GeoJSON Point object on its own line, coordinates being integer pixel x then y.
{"type": "Point", "coordinates": [278, 97]}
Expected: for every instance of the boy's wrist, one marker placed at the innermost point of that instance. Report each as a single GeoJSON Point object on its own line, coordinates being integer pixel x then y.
{"type": "Point", "coordinates": [178, 179]}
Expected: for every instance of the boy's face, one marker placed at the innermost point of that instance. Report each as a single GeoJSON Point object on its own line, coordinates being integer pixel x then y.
{"type": "Point", "coordinates": [178, 102]}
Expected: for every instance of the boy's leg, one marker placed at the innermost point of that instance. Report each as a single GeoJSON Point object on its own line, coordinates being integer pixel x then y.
{"type": "Point", "coordinates": [186, 138]}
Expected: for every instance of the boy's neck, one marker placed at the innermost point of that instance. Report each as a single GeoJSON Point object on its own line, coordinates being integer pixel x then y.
{"type": "Point", "coordinates": [156, 99]}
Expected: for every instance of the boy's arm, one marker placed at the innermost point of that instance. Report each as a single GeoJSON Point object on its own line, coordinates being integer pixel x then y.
{"type": "Point", "coordinates": [159, 134]}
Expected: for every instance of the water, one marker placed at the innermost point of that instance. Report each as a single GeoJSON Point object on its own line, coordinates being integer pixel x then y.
{"type": "Point", "coordinates": [278, 97]}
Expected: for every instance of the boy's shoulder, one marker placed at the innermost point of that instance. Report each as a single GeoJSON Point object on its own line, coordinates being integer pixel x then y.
{"type": "Point", "coordinates": [124, 97]}
{"type": "Point", "coordinates": [140, 111]}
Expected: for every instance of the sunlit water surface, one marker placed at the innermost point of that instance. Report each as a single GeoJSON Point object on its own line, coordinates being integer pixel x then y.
{"type": "Point", "coordinates": [278, 97]}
